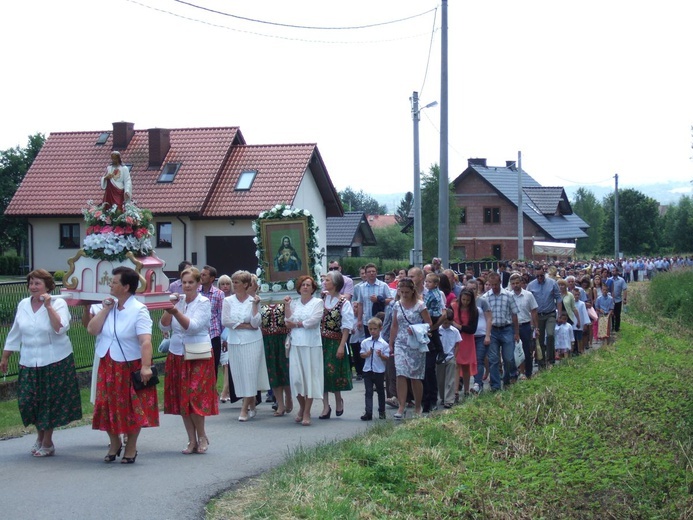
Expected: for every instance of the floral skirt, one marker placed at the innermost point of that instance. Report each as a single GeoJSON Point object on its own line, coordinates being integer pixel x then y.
{"type": "Point", "coordinates": [48, 396]}
{"type": "Point", "coordinates": [337, 371]}
{"type": "Point", "coordinates": [190, 387]}
{"type": "Point", "coordinates": [119, 408]}
{"type": "Point", "coordinates": [277, 362]}
{"type": "Point", "coordinates": [604, 327]}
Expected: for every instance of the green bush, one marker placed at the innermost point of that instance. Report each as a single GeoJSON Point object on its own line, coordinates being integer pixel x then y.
{"type": "Point", "coordinates": [672, 295]}
{"type": "Point", "coordinates": [58, 276]}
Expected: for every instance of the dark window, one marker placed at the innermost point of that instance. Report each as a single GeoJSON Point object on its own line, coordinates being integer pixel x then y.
{"type": "Point", "coordinates": [491, 215]}
{"type": "Point", "coordinates": [463, 215]}
{"type": "Point", "coordinates": [169, 172]}
{"type": "Point", "coordinates": [496, 251]}
{"type": "Point", "coordinates": [103, 137]}
{"type": "Point", "coordinates": [69, 236]}
{"type": "Point", "coordinates": [164, 234]}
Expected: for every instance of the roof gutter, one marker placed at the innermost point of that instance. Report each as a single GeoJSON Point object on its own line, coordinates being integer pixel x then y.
{"type": "Point", "coordinates": [31, 246]}
{"type": "Point", "coordinates": [185, 237]}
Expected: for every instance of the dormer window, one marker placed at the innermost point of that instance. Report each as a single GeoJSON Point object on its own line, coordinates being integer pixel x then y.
{"type": "Point", "coordinates": [103, 138]}
{"type": "Point", "coordinates": [245, 180]}
{"type": "Point", "coordinates": [168, 173]}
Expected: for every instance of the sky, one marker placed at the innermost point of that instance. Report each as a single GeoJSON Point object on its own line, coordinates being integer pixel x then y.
{"type": "Point", "coordinates": [584, 90]}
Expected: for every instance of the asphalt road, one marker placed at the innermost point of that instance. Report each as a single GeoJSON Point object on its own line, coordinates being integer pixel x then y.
{"type": "Point", "coordinates": [163, 483]}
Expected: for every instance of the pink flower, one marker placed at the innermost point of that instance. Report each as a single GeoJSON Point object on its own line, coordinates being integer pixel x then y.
{"type": "Point", "coordinates": [106, 229]}
{"type": "Point", "coordinates": [129, 220]}
{"type": "Point", "coordinates": [118, 230]}
{"type": "Point", "coordinates": [141, 232]}
{"type": "Point", "coordinates": [97, 214]}
{"type": "Point", "coordinates": [108, 220]}
{"type": "Point", "coordinates": [90, 230]}
{"type": "Point", "coordinates": [96, 229]}
{"type": "Point", "coordinates": [128, 230]}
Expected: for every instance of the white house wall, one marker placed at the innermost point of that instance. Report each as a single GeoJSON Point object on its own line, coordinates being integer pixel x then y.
{"type": "Point", "coordinates": [308, 197]}
{"type": "Point", "coordinates": [44, 238]}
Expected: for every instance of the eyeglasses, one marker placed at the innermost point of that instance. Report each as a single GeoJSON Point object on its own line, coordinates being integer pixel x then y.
{"type": "Point", "coordinates": [333, 269]}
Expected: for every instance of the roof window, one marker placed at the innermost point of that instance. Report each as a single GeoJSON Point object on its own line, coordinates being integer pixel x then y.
{"type": "Point", "coordinates": [103, 138]}
{"type": "Point", "coordinates": [168, 173]}
{"type": "Point", "coordinates": [245, 181]}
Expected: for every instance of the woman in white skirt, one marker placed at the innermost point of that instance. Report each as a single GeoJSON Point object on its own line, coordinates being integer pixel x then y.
{"type": "Point", "coordinates": [306, 371]}
{"type": "Point", "coordinates": [241, 315]}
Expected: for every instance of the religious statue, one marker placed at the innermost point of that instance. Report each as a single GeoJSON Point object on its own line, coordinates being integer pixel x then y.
{"type": "Point", "coordinates": [116, 182]}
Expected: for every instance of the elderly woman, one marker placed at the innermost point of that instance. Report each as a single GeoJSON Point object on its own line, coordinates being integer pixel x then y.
{"type": "Point", "coordinates": [190, 385]}
{"type": "Point", "coordinates": [48, 390]}
{"type": "Point", "coordinates": [410, 363]}
{"type": "Point", "coordinates": [124, 346]}
{"type": "Point", "coordinates": [337, 322]}
{"type": "Point", "coordinates": [306, 369]}
{"type": "Point", "coordinates": [241, 315]}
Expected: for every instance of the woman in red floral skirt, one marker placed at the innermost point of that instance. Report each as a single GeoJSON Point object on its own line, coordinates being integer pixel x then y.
{"type": "Point", "coordinates": [124, 345]}
{"type": "Point", "coordinates": [190, 387]}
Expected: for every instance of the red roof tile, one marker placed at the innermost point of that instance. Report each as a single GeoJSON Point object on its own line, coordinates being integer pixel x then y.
{"type": "Point", "coordinates": [66, 174]}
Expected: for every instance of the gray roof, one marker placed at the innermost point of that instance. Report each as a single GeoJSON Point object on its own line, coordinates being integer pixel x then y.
{"type": "Point", "coordinates": [547, 207]}
{"type": "Point", "coordinates": [341, 231]}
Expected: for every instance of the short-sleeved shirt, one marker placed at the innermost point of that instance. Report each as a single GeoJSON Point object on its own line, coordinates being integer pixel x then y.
{"type": "Point", "coordinates": [503, 307]}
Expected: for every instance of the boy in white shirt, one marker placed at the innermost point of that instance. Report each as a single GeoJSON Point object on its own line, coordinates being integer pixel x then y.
{"type": "Point", "coordinates": [446, 372]}
{"type": "Point", "coordinates": [375, 353]}
{"type": "Point", "coordinates": [580, 332]}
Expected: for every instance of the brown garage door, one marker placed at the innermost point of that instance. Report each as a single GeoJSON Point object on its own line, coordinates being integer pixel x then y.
{"type": "Point", "coordinates": [229, 254]}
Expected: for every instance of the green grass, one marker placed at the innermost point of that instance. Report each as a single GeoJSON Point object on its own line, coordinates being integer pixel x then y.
{"type": "Point", "coordinates": [607, 435]}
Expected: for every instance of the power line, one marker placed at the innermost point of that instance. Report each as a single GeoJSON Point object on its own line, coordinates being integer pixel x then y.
{"type": "Point", "coordinates": [430, 48]}
{"type": "Point", "coordinates": [279, 24]}
{"type": "Point", "coordinates": [264, 35]}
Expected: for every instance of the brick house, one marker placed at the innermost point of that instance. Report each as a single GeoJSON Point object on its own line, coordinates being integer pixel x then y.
{"type": "Point", "coordinates": [488, 196]}
{"type": "Point", "coordinates": [204, 186]}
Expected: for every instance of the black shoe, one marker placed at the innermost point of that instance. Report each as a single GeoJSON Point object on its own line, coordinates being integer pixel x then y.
{"type": "Point", "coordinates": [381, 415]}
{"type": "Point", "coordinates": [326, 415]}
{"type": "Point", "coordinates": [368, 417]}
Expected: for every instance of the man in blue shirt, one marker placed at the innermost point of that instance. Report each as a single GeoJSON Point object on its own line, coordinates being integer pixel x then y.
{"type": "Point", "coordinates": [549, 300]}
{"type": "Point", "coordinates": [619, 292]}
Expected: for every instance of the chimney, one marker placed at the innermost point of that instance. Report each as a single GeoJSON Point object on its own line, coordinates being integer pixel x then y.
{"type": "Point", "coordinates": [477, 162]}
{"type": "Point", "coordinates": [122, 134]}
{"type": "Point", "coordinates": [510, 165]}
{"type": "Point", "coordinates": [159, 145]}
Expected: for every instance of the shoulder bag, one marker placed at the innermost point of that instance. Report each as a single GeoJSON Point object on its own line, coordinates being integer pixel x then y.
{"type": "Point", "coordinates": [195, 351]}
{"type": "Point", "coordinates": [135, 377]}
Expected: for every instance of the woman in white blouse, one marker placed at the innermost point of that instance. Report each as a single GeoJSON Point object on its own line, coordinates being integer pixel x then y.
{"type": "Point", "coordinates": [190, 386]}
{"type": "Point", "coordinates": [241, 315]}
{"type": "Point", "coordinates": [48, 389]}
{"type": "Point", "coordinates": [306, 372]}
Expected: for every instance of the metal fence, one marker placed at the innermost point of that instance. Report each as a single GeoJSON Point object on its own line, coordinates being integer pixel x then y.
{"type": "Point", "coordinates": [11, 293]}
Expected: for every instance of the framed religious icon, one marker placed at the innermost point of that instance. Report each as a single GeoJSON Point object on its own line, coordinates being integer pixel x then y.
{"type": "Point", "coordinates": [285, 255]}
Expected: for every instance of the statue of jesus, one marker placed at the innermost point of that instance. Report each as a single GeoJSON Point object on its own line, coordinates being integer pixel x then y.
{"type": "Point", "coordinates": [116, 183]}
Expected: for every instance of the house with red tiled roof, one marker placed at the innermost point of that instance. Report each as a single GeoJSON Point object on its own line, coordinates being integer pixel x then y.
{"type": "Point", "coordinates": [204, 186]}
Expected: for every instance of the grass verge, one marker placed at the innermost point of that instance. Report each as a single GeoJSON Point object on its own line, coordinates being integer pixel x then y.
{"type": "Point", "coordinates": [608, 435]}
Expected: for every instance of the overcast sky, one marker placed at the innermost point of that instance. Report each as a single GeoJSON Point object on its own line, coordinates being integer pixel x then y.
{"type": "Point", "coordinates": [584, 89]}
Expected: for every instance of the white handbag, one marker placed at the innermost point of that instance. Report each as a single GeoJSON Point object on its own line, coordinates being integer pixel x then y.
{"type": "Point", "coordinates": [519, 354]}
{"type": "Point", "coordinates": [194, 351]}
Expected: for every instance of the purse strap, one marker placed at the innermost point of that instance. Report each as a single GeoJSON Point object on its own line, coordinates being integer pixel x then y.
{"type": "Point", "coordinates": [115, 333]}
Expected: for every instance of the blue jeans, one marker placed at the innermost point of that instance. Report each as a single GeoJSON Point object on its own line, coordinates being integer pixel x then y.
{"type": "Point", "coordinates": [481, 352]}
{"type": "Point", "coordinates": [502, 340]}
{"type": "Point", "coordinates": [527, 347]}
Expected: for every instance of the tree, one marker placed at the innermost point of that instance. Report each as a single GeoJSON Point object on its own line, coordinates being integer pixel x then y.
{"type": "Point", "coordinates": [678, 226]}
{"type": "Point", "coordinates": [402, 211]}
{"type": "Point", "coordinates": [392, 243]}
{"type": "Point", "coordinates": [361, 201]}
{"type": "Point", "coordinates": [588, 209]}
{"type": "Point", "coordinates": [429, 213]}
{"type": "Point", "coordinates": [14, 163]}
{"type": "Point", "coordinates": [639, 223]}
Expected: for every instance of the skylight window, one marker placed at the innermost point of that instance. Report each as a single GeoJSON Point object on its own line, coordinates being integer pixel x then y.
{"type": "Point", "coordinates": [103, 138]}
{"type": "Point", "coordinates": [245, 181]}
{"type": "Point", "coordinates": [168, 173]}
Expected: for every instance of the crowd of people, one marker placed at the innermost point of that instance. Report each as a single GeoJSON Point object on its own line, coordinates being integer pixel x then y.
{"type": "Point", "coordinates": [423, 338]}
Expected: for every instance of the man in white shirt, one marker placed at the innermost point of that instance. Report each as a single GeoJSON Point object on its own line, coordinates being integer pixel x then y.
{"type": "Point", "coordinates": [528, 318]}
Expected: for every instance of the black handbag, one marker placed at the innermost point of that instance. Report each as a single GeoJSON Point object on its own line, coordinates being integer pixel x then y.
{"type": "Point", "coordinates": [135, 377]}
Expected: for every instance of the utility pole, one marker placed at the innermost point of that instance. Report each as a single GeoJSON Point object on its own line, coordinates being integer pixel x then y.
{"type": "Point", "coordinates": [418, 233]}
{"type": "Point", "coordinates": [617, 246]}
{"type": "Point", "coordinates": [520, 212]}
{"type": "Point", "coordinates": [443, 183]}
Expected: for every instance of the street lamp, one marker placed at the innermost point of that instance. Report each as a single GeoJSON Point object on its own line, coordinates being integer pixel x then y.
{"type": "Point", "coordinates": [418, 233]}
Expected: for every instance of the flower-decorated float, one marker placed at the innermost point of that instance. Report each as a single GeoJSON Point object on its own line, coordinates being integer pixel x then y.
{"type": "Point", "coordinates": [116, 236]}
{"type": "Point", "coordinates": [286, 240]}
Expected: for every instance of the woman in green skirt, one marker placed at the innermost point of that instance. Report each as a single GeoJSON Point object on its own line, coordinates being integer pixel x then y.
{"type": "Point", "coordinates": [274, 332]}
{"type": "Point", "coordinates": [337, 322]}
{"type": "Point", "coordinates": [47, 385]}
